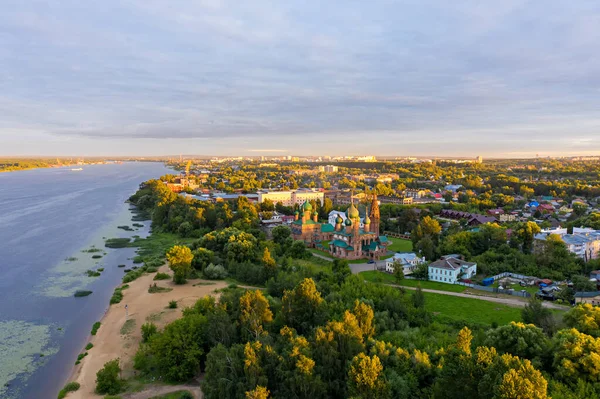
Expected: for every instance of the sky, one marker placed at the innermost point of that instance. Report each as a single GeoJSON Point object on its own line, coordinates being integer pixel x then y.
{"type": "Point", "coordinates": [508, 78]}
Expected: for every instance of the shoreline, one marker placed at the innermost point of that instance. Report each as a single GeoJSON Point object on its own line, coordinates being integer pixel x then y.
{"type": "Point", "coordinates": [119, 336]}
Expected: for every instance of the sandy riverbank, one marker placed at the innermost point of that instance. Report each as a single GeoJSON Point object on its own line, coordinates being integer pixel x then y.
{"type": "Point", "coordinates": [113, 341]}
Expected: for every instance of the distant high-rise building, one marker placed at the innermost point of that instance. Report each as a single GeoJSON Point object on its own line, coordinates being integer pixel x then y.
{"type": "Point", "coordinates": [479, 159]}
{"type": "Point", "coordinates": [329, 168]}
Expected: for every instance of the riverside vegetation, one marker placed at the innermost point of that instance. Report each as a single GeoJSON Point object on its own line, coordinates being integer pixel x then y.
{"type": "Point", "coordinates": [315, 330]}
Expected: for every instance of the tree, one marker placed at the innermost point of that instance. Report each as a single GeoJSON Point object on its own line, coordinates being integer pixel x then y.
{"type": "Point", "coordinates": [421, 272]}
{"type": "Point", "coordinates": [519, 339]}
{"type": "Point", "coordinates": [583, 284]}
{"type": "Point", "coordinates": [525, 234]}
{"type": "Point", "coordinates": [426, 227]}
{"type": "Point", "coordinates": [463, 340]}
{"type": "Point", "coordinates": [302, 307]}
{"type": "Point", "coordinates": [108, 381]}
{"type": "Point", "coordinates": [180, 260]}
{"type": "Point", "coordinates": [267, 260]}
{"type": "Point", "coordinates": [202, 258]}
{"type": "Point", "coordinates": [398, 272]}
{"type": "Point", "coordinates": [177, 352]}
{"type": "Point", "coordinates": [364, 316]}
{"type": "Point", "coordinates": [418, 298]}
{"type": "Point", "coordinates": [254, 312]}
{"type": "Point", "coordinates": [258, 393]}
{"type": "Point", "coordinates": [280, 234]}
{"type": "Point", "coordinates": [535, 313]}
{"type": "Point", "coordinates": [298, 250]}
{"type": "Point", "coordinates": [576, 356]}
{"type": "Point", "coordinates": [585, 318]}
{"type": "Point", "coordinates": [366, 378]}
{"type": "Point", "coordinates": [341, 270]}
{"type": "Point", "coordinates": [426, 247]}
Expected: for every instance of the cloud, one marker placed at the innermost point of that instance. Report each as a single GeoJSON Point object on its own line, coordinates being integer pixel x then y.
{"type": "Point", "coordinates": [385, 76]}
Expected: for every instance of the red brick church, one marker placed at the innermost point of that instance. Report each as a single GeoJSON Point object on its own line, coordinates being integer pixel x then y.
{"type": "Point", "coordinates": [346, 239]}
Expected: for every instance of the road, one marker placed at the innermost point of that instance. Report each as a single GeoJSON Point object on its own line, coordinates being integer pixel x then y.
{"type": "Point", "coordinates": [363, 267]}
{"type": "Point", "coordinates": [355, 267]}
{"type": "Point", "coordinates": [505, 301]}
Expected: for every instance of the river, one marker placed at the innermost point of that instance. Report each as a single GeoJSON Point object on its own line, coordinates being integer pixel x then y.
{"type": "Point", "coordinates": [53, 223]}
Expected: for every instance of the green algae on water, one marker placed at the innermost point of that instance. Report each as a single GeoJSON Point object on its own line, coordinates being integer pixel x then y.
{"type": "Point", "coordinates": [21, 344]}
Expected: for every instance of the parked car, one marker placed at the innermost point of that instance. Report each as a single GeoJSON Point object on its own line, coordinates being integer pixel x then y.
{"type": "Point", "coordinates": [371, 261]}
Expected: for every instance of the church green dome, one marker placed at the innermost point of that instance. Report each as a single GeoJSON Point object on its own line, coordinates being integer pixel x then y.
{"type": "Point", "coordinates": [353, 212]}
{"type": "Point", "coordinates": [296, 213]}
{"type": "Point", "coordinates": [315, 213]}
{"type": "Point", "coordinates": [367, 220]}
{"type": "Point", "coordinates": [306, 206]}
{"type": "Point", "coordinates": [339, 220]}
{"type": "Point", "coordinates": [348, 222]}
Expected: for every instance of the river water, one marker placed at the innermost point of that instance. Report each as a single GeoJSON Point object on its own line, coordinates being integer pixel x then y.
{"type": "Point", "coordinates": [52, 223]}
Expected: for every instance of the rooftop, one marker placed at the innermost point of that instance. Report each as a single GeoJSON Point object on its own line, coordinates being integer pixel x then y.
{"type": "Point", "coordinates": [451, 263]}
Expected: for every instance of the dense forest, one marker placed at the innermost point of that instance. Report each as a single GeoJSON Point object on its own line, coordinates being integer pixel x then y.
{"type": "Point", "coordinates": [322, 332]}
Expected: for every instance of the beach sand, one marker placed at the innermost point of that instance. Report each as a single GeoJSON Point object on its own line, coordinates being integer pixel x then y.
{"type": "Point", "coordinates": [114, 341]}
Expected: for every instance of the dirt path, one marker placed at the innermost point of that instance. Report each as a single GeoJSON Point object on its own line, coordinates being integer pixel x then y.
{"type": "Point", "coordinates": [505, 301]}
{"type": "Point", "coordinates": [119, 335]}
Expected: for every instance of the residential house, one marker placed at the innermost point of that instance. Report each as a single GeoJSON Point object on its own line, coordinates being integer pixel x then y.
{"type": "Point", "coordinates": [495, 212]}
{"type": "Point", "coordinates": [476, 220]}
{"type": "Point", "coordinates": [449, 269]}
{"type": "Point", "coordinates": [545, 208]}
{"type": "Point", "coordinates": [583, 242]}
{"type": "Point", "coordinates": [408, 260]}
{"type": "Point", "coordinates": [420, 193]}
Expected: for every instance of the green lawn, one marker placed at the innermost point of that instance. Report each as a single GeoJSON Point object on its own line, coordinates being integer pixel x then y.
{"type": "Point", "coordinates": [315, 263]}
{"type": "Point", "coordinates": [382, 277]}
{"type": "Point", "coordinates": [471, 310]}
{"type": "Point", "coordinates": [400, 245]}
{"type": "Point", "coordinates": [157, 244]}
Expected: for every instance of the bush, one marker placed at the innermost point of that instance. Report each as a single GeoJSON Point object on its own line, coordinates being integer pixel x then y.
{"type": "Point", "coordinates": [107, 379]}
{"type": "Point", "coordinates": [70, 387]}
{"type": "Point", "coordinates": [162, 276]}
{"type": "Point", "coordinates": [80, 293]}
{"type": "Point", "coordinates": [213, 272]}
{"type": "Point", "coordinates": [89, 346]}
{"type": "Point", "coordinates": [117, 242]}
{"type": "Point", "coordinates": [134, 274]}
{"type": "Point", "coordinates": [117, 295]}
{"type": "Point", "coordinates": [172, 304]}
{"type": "Point", "coordinates": [121, 265]}
{"type": "Point", "coordinates": [155, 289]}
{"type": "Point", "coordinates": [92, 273]}
{"type": "Point", "coordinates": [186, 395]}
{"type": "Point", "coordinates": [95, 328]}
{"type": "Point", "coordinates": [100, 269]}
{"type": "Point", "coordinates": [148, 330]}
{"type": "Point", "coordinates": [96, 256]}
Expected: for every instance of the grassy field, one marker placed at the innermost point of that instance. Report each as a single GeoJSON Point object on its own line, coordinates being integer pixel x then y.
{"type": "Point", "coordinates": [157, 244]}
{"type": "Point", "coordinates": [399, 245]}
{"type": "Point", "coordinates": [382, 277]}
{"type": "Point", "coordinates": [471, 310]}
{"type": "Point", "coordinates": [317, 264]}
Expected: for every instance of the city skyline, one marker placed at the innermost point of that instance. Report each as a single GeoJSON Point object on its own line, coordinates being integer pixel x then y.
{"type": "Point", "coordinates": [220, 78]}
